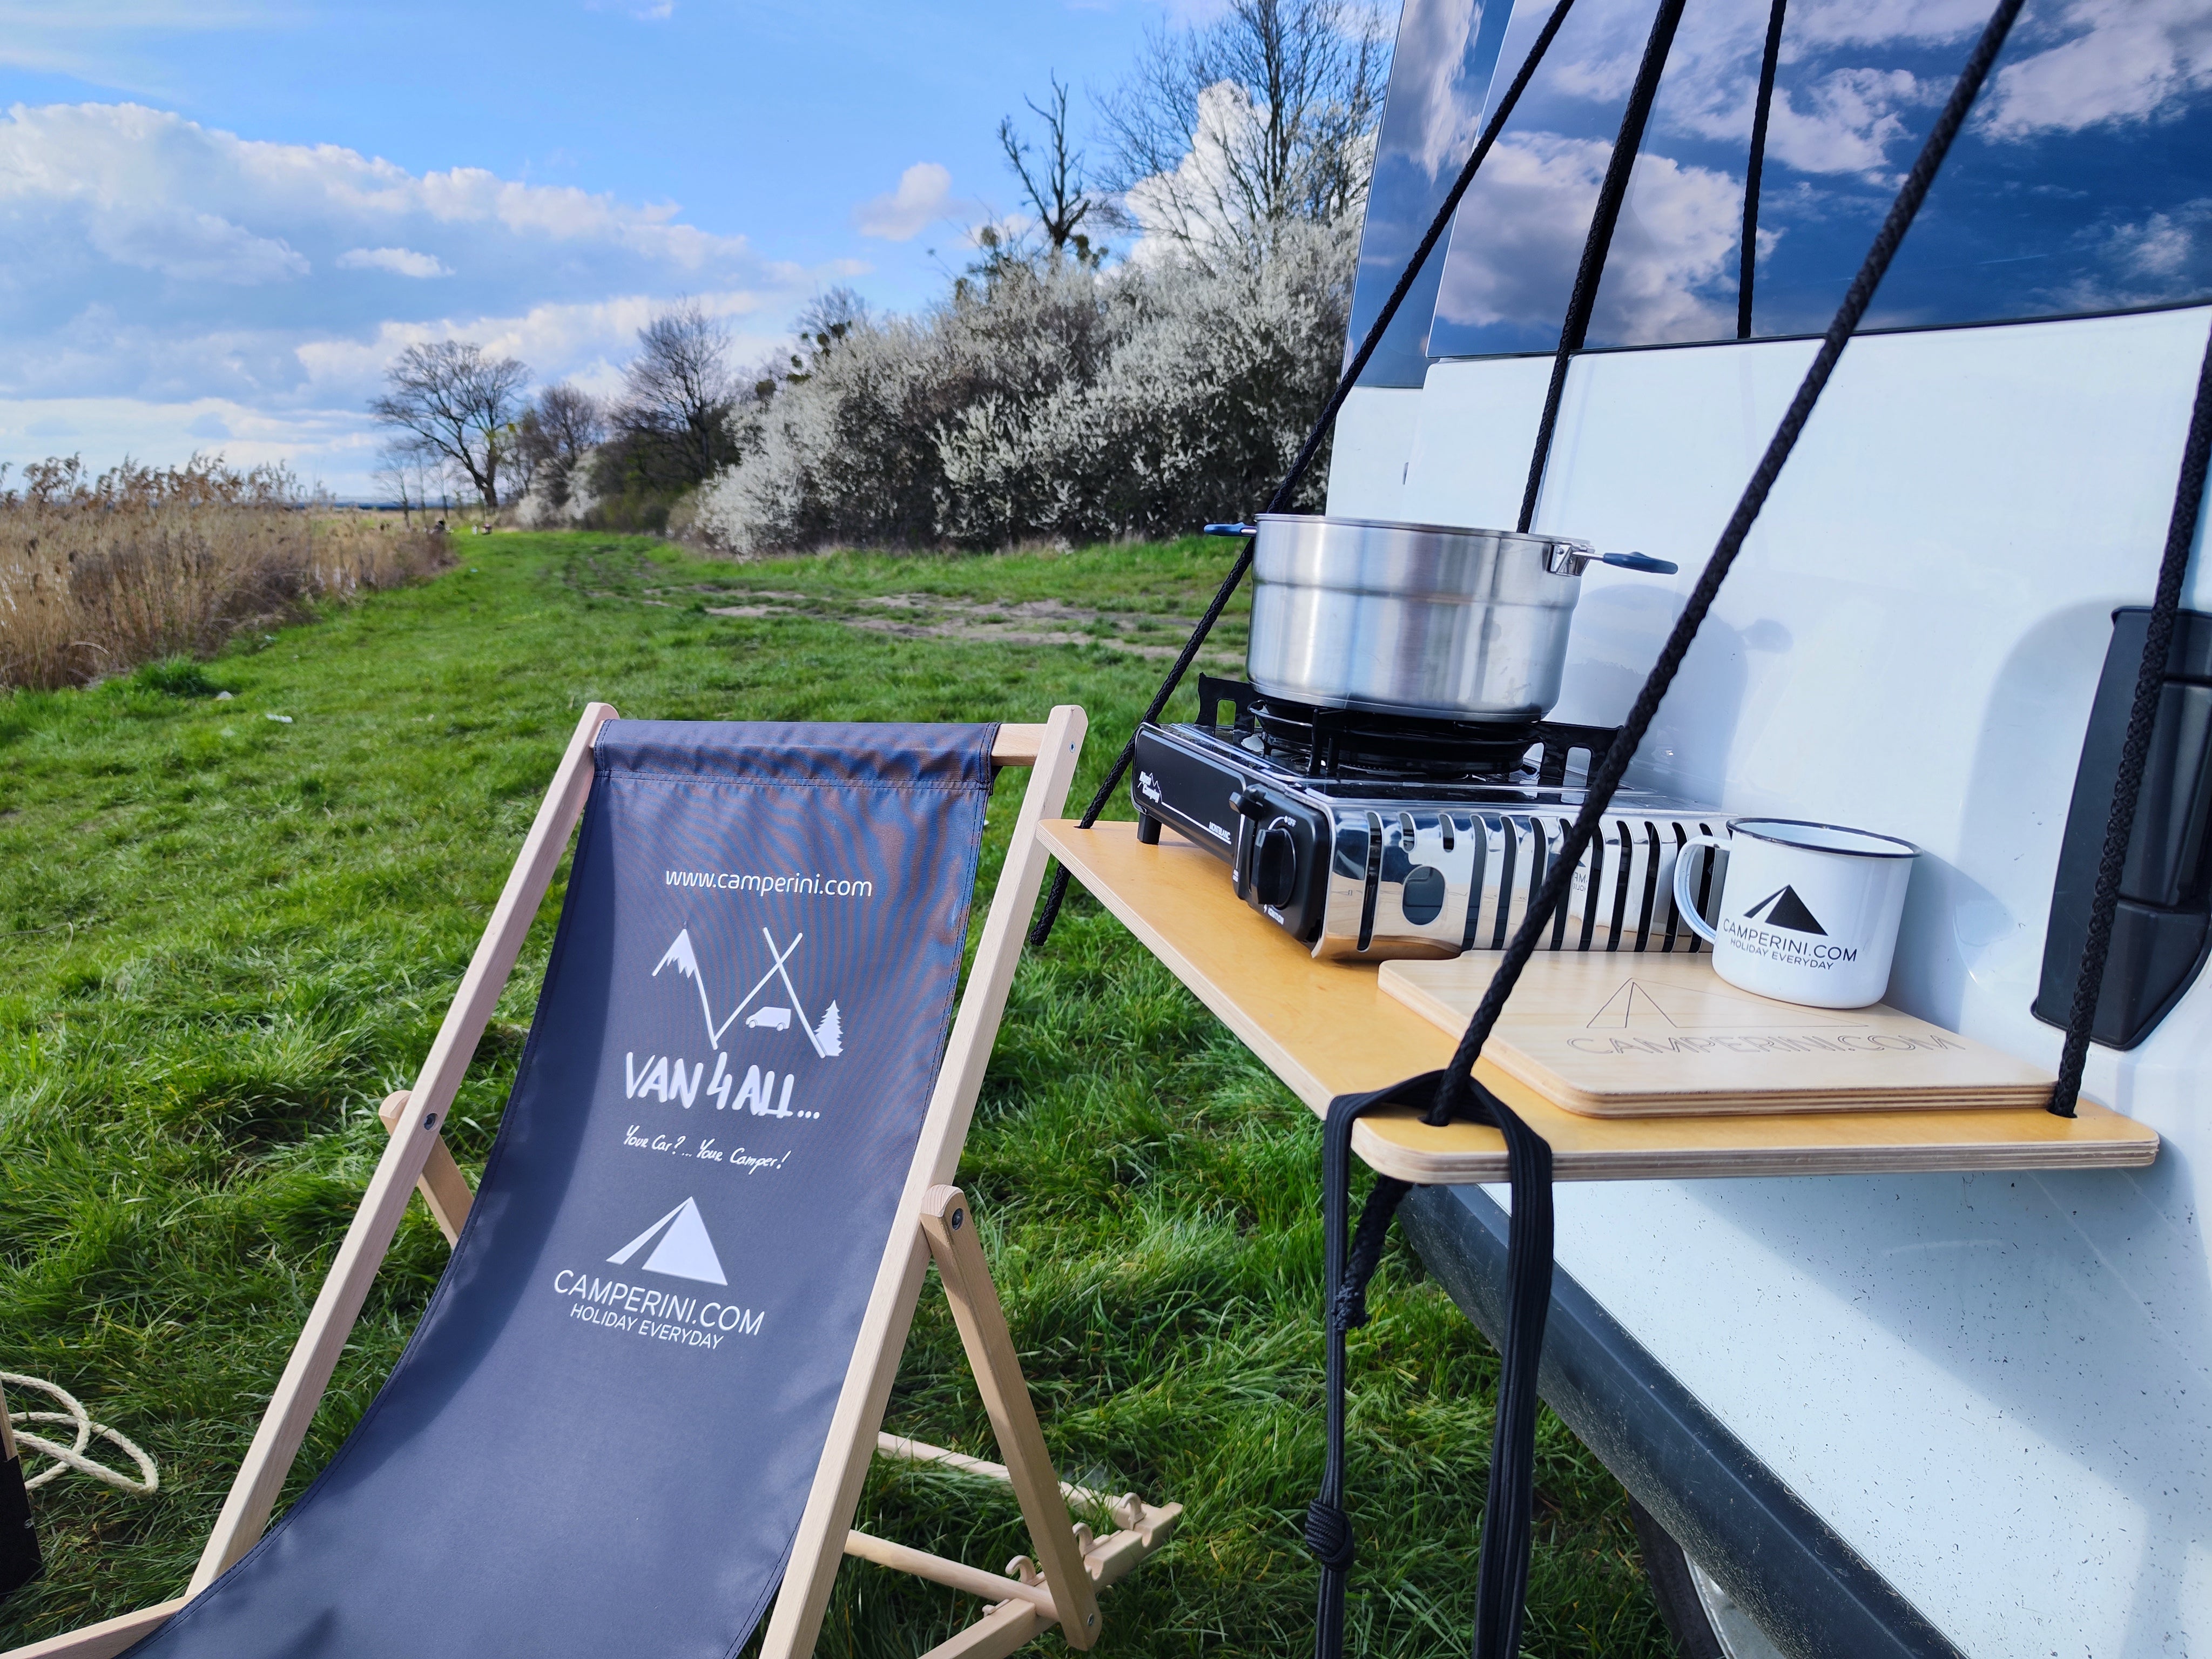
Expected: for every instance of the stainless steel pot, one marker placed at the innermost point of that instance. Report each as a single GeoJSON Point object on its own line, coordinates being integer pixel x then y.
{"type": "Point", "coordinates": [1414, 618]}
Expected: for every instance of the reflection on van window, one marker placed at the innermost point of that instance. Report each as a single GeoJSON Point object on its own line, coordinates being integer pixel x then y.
{"type": "Point", "coordinates": [2083, 181]}
{"type": "Point", "coordinates": [1440, 89]}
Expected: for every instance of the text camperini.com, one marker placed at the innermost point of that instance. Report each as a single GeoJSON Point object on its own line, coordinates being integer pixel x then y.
{"type": "Point", "coordinates": [631, 1310]}
{"type": "Point", "coordinates": [735, 881]}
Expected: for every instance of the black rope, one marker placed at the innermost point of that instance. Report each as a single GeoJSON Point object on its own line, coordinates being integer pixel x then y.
{"type": "Point", "coordinates": [1606, 776]}
{"type": "Point", "coordinates": [2135, 751]}
{"type": "Point", "coordinates": [1281, 499]}
{"type": "Point", "coordinates": [1508, 1535]}
{"type": "Point", "coordinates": [1583, 299]}
{"type": "Point", "coordinates": [1754, 167]}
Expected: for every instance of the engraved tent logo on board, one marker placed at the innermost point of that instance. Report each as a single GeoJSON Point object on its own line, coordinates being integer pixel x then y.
{"type": "Point", "coordinates": [684, 1251]}
{"type": "Point", "coordinates": [826, 1036]}
{"type": "Point", "coordinates": [1785, 909]}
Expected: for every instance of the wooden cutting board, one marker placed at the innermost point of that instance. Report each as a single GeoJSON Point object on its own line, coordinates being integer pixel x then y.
{"type": "Point", "coordinates": [1630, 1036]}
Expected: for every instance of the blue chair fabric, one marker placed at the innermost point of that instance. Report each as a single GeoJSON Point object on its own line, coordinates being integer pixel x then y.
{"type": "Point", "coordinates": [600, 1438]}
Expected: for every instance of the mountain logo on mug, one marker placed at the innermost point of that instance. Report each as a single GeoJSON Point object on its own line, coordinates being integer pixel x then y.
{"type": "Point", "coordinates": [1785, 909]}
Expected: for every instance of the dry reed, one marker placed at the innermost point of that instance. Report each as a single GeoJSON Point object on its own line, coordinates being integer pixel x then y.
{"type": "Point", "coordinates": [100, 573]}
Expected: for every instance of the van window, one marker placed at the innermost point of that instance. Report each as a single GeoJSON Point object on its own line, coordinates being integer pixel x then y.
{"type": "Point", "coordinates": [2083, 182]}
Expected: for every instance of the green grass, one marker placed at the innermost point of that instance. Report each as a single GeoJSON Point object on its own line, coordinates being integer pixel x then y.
{"type": "Point", "coordinates": [228, 936]}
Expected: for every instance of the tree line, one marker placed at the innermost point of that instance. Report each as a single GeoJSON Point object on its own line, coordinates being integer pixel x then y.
{"type": "Point", "coordinates": [1055, 391]}
{"type": "Point", "coordinates": [463, 424]}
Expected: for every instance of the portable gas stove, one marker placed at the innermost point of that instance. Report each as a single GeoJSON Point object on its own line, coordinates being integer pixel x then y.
{"type": "Point", "coordinates": [1369, 836]}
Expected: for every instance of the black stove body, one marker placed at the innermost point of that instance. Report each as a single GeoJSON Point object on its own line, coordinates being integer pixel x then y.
{"type": "Point", "coordinates": [1369, 836]}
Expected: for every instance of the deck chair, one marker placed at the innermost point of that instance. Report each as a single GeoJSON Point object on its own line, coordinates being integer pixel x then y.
{"type": "Point", "coordinates": [645, 1393]}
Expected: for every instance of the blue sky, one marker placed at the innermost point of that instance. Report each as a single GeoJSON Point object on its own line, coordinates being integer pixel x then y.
{"type": "Point", "coordinates": [219, 218]}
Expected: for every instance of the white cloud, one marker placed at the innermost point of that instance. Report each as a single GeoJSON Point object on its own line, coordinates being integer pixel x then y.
{"type": "Point", "coordinates": [1849, 121]}
{"type": "Point", "coordinates": [167, 280]}
{"type": "Point", "coordinates": [194, 247]}
{"type": "Point", "coordinates": [1431, 118]}
{"type": "Point", "coordinates": [2075, 64]}
{"type": "Point", "coordinates": [2123, 61]}
{"type": "Point", "coordinates": [1882, 22]}
{"type": "Point", "coordinates": [923, 196]}
{"type": "Point", "coordinates": [1840, 120]}
{"type": "Point", "coordinates": [2144, 261]}
{"type": "Point", "coordinates": [1520, 237]}
{"type": "Point", "coordinates": [399, 261]}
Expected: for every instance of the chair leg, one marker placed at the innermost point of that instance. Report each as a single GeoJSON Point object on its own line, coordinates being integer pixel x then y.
{"type": "Point", "coordinates": [1024, 1601]}
{"type": "Point", "coordinates": [950, 1225]}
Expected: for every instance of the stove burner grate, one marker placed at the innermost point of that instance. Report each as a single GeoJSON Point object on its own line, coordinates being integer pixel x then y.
{"type": "Point", "coordinates": [1344, 742]}
{"type": "Point", "coordinates": [1353, 744]}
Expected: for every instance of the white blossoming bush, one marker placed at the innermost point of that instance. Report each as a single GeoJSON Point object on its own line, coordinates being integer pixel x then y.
{"type": "Point", "coordinates": [1048, 401]}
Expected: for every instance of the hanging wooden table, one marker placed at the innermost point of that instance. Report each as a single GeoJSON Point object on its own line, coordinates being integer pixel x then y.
{"type": "Point", "coordinates": [1326, 1030]}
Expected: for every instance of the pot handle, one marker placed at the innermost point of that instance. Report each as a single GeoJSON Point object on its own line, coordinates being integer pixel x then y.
{"type": "Point", "coordinates": [1240, 530]}
{"type": "Point", "coordinates": [1642, 562]}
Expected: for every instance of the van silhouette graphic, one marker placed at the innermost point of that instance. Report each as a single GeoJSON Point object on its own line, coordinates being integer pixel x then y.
{"type": "Point", "coordinates": [827, 1039]}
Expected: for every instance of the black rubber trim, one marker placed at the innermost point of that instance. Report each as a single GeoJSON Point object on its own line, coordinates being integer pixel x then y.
{"type": "Point", "coordinates": [2197, 302]}
{"type": "Point", "coordinates": [1810, 1591]}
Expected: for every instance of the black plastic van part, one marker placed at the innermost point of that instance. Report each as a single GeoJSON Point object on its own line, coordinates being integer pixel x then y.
{"type": "Point", "coordinates": [1814, 1595]}
{"type": "Point", "coordinates": [2163, 929]}
{"type": "Point", "coordinates": [19, 1539]}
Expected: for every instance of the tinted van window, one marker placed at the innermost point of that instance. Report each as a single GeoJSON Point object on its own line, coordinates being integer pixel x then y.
{"type": "Point", "coordinates": [2083, 181]}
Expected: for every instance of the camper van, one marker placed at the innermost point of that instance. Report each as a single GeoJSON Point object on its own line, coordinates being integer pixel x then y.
{"type": "Point", "coordinates": [1860, 1416]}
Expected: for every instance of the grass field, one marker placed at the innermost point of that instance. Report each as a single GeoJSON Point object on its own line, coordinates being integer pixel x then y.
{"type": "Point", "coordinates": [227, 936]}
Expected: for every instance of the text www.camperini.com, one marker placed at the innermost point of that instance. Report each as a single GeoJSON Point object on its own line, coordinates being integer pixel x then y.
{"type": "Point", "coordinates": [830, 886]}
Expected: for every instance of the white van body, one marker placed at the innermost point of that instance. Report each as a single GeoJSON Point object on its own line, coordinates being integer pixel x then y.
{"type": "Point", "coordinates": [1997, 1389]}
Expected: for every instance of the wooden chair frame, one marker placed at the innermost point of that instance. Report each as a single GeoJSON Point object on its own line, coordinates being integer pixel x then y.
{"type": "Point", "coordinates": [1056, 1585]}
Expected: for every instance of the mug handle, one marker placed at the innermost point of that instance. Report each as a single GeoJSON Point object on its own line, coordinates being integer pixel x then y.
{"type": "Point", "coordinates": [1686, 902]}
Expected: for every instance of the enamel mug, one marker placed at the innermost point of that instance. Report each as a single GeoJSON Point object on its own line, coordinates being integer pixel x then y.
{"type": "Point", "coordinates": [1808, 912]}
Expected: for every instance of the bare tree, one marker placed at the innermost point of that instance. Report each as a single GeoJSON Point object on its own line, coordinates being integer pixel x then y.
{"type": "Point", "coordinates": [678, 390]}
{"type": "Point", "coordinates": [557, 432]}
{"type": "Point", "coordinates": [414, 473]}
{"type": "Point", "coordinates": [1224, 132]}
{"type": "Point", "coordinates": [1052, 177]}
{"type": "Point", "coordinates": [826, 318]}
{"type": "Point", "coordinates": [398, 484]}
{"type": "Point", "coordinates": [450, 400]}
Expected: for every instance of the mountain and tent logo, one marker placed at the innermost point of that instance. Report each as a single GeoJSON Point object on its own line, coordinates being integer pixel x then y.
{"type": "Point", "coordinates": [684, 1250]}
{"type": "Point", "coordinates": [828, 1037]}
{"type": "Point", "coordinates": [1785, 909]}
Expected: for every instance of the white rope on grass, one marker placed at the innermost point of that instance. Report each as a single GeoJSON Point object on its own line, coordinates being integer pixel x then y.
{"type": "Point", "coordinates": [73, 1457]}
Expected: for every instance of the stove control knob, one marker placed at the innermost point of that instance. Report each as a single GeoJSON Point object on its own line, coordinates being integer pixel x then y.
{"type": "Point", "coordinates": [1275, 864]}
{"type": "Point", "coordinates": [1251, 801]}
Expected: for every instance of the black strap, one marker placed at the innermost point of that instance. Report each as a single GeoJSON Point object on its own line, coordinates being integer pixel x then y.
{"type": "Point", "coordinates": [1343, 1301]}
{"type": "Point", "coordinates": [2134, 750]}
{"type": "Point", "coordinates": [1350, 1257]}
{"type": "Point", "coordinates": [1502, 1576]}
{"type": "Point", "coordinates": [1284, 490]}
{"type": "Point", "coordinates": [1582, 299]}
{"type": "Point", "coordinates": [1754, 169]}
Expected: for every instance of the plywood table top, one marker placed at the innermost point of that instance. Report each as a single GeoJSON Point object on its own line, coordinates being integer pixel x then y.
{"type": "Point", "coordinates": [1326, 1030]}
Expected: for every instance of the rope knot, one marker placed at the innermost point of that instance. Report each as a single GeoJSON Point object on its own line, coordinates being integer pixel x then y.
{"type": "Point", "coordinates": [1329, 1535]}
